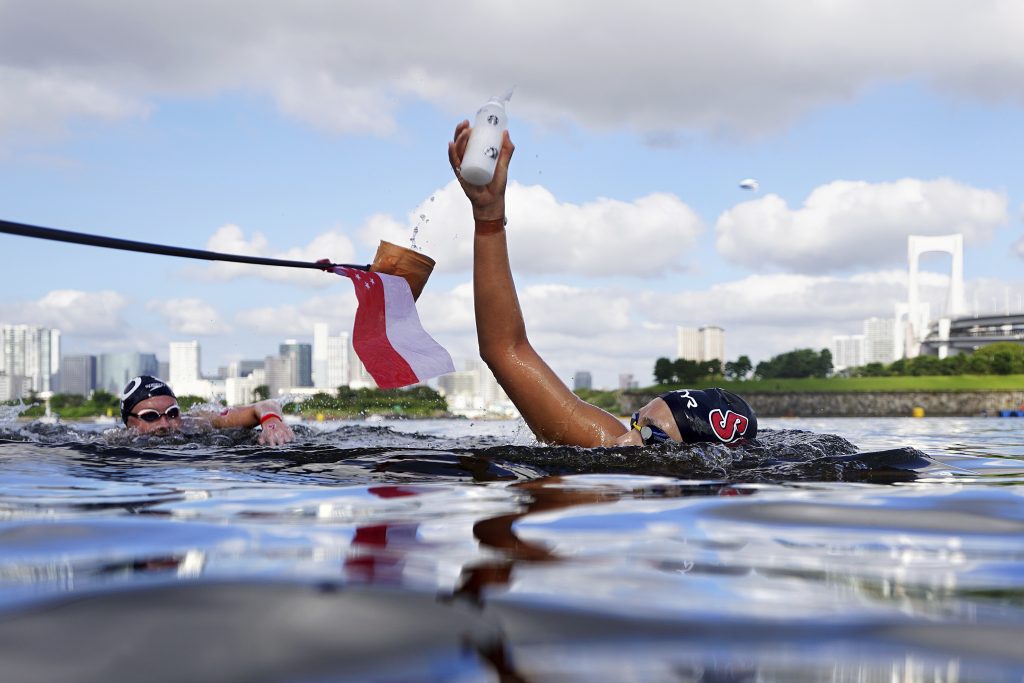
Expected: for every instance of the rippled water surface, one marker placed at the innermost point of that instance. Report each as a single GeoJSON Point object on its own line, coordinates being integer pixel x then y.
{"type": "Point", "coordinates": [846, 550]}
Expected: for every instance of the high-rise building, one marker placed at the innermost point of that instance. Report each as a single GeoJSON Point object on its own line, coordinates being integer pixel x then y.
{"type": "Point", "coordinates": [847, 351]}
{"type": "Point", "coordinates": [627, 382]}
{"type": "Point", "coordinates": [490, 392]}
{"type": "Point", "coordinates": [12, 387]}
{"type": "Point", "coordinates": [474, 391]}
{"type": "Point", "coordinates": [582, 379]}
{"type": "Point", "coordinates": [279, 372]}
{"type": "Point", "coordinates": [714, 343]}
{"type": "Point", "coordinates": [78, 374]}
{"type": "Point", "coordinates": [701, 344]}
{"type": "Point", "coordinates": [321, 332]}
{"type": "Point", "coordinates": [688, 343]}
{"type": "Point", "coordinates": [244, 368]}
{"type": "Point", "coordinates": [880, 340]}
{"type": "Point", "coordinates": [302, 362]}
{"type": "Point", "coordinates": [31, 353]}
{"type": "Point", "coordinates": [113, 370]}
{"type": "Point", "coordinates": [358, 377]}
{"type": "Point", "coordinates": [460, 383]}
{"type": "Point", "coordinates": [337, 362]}
{"type": "Point", "coordinates": [184, 371]}
{"type": "Point", "coordinates": [242, 390]}
{"type": "Point", "coordinates": [184, 363]}
{"type": "Point", "coordinates": [330, 359]}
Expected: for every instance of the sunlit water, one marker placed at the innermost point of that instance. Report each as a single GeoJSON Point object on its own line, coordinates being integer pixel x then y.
{"type": "Point", "coordinates": [846, 550]}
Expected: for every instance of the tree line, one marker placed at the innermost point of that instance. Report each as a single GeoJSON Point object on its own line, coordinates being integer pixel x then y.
{"type": "Point", "coordinates": [1003, 358]}
{"type": "Point", "coordinates": [420, 401]}
{"type": "Point", "coordinates": [798, 363]}
{"type": "Point", "coordinates": [685, 371]}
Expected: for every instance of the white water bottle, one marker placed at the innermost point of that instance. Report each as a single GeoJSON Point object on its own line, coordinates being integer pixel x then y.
{"type": "Point", "coordinates": [485, 141]}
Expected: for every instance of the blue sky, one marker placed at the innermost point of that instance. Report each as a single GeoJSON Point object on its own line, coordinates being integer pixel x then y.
{"type": "Point", "coordinates": [315, 130]}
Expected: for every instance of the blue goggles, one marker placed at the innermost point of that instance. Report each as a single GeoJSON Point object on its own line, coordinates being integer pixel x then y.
{"type": "Point", "coordinates": [649, 434]}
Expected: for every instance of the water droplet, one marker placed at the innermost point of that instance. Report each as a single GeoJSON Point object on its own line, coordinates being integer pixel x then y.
{"type": "Point", "coordinates": [422, 216]}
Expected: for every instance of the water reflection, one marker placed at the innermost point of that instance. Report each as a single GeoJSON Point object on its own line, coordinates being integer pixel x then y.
{"type": "Point", "coordinates": [784, 561]}
{"type": "Point", "coordinates": [547, 496]}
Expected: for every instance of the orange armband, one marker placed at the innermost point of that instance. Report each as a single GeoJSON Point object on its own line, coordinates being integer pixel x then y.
{"type": "Point", "coordinates": [490, 227]}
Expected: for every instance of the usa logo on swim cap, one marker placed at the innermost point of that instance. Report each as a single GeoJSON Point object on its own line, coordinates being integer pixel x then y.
{"type": "Point", "coordinates": [711, 415]}
{"type": "Point", "coordinates": [728, 427]}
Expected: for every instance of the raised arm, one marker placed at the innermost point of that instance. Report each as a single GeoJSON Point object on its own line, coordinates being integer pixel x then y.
{"type": "Point", "coordinates": [267, 413]}
{"type": "Point", "coordinates": [550, 408]}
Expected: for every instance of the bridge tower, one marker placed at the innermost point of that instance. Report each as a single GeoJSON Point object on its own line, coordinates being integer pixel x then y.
{"type": "Point", "coordinates": [911, 332]}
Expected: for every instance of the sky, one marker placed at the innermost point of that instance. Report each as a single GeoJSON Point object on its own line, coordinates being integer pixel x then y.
{"type": "Point", "coordinates": [315, 129]}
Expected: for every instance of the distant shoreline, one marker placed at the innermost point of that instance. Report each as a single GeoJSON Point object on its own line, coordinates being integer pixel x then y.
{"type": "Point", "coordinates": [910, 383]}
{"type": "Point", "coordinates": [869, 403]}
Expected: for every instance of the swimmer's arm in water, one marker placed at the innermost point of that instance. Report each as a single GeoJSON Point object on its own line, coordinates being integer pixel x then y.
{"type": "Point", "coordinates": [550, 408]}
{"type": "Point", "coordinates": [268, 413]}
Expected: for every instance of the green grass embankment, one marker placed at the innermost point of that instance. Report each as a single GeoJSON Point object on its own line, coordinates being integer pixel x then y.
{"type": "Point", "coordinates": [863, 384]}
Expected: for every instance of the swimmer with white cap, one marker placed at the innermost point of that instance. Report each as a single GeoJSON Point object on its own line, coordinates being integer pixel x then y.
{"type": "Point", "coordinates": [554, 413]}
{"type": "Point", "coordinates": [149, 406]}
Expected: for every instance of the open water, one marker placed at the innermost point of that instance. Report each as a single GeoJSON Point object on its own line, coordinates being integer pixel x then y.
{"type": "Point", "coordinates": [451, 550]}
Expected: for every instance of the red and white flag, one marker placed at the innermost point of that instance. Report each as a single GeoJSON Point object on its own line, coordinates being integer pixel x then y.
{"type": "Point", "coordinates": [387, 334]}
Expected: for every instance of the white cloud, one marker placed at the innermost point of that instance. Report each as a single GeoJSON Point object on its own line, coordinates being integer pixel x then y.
{"type": "Point", "coordinates": [230, 239]}
{"type": "Point", "coordinates": [335, 107]}
{"type": "Point", "coordinates": [447, 312]}
{"type": "Point", "coordinates": [608, 331]}
{"type": "Point", "coordinates": [786, 300]}
{"type": "Point", "coordinates": [193, 317]}
{"type": "Point", "coordinates": [648, 65]}
{"type": "Point", "coordinates": [298, 320]}
{"type": "Point", "coordinates": [1018, 246]}
{"type": "Point", "coordinates": [87, 314]}
{"type": "Point", "coordinates": [987, 295]}
{"type": "Point", "coordinates": [549, 236]}
{"type": "Point", "coordinates": [848, 224]}
{"type": "Point", "coordinates": [605, 329]}
{"type": "Point", "coordinates": [43, 101]}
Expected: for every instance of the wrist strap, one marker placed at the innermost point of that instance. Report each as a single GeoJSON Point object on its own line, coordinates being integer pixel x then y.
{"type": "Point", "coordinates": [270, 416]}
{"type": "Point", "coordinates": [490, 227]}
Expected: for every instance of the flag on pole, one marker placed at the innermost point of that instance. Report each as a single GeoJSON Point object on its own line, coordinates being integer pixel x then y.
{"type": "Point", "coordinates": [387, 334]}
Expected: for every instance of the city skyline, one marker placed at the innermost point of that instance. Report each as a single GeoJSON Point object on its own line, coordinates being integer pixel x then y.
{"type": "Point", "coordinates": [626, 214]}
{"type": "Point", "coordinates": [329, 362]}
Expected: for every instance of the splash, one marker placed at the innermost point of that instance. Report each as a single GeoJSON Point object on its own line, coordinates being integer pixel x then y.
{"type": "Point", "coordinates": [11, 413]}
{"type": "Point", "coordinates": [420, 223]}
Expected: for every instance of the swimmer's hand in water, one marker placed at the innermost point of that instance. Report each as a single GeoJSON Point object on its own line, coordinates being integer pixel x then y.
{"type": "Point", "coordinates": [275, 431]}
{"type": "Point", "coordinates": [488, 200]}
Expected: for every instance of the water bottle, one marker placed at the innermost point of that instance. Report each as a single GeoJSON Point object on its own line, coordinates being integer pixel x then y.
{"type": "Point", "coordinates": [485, 141]}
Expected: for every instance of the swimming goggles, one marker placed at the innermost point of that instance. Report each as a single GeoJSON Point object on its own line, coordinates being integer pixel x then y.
{"type": "Point", "coordinates": [648, 433]}
{"type": "Point", "coordinates": [150, 415]}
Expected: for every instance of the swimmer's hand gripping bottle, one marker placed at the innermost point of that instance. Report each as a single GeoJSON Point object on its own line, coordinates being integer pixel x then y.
{"type": "Point", "coordinates": [485, 141]}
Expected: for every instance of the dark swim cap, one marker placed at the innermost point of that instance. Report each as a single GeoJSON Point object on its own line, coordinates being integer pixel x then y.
{"type": "Point", "coordinates": [139, 389]}
{"type": "Point", "coordinates": [714, 415]}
